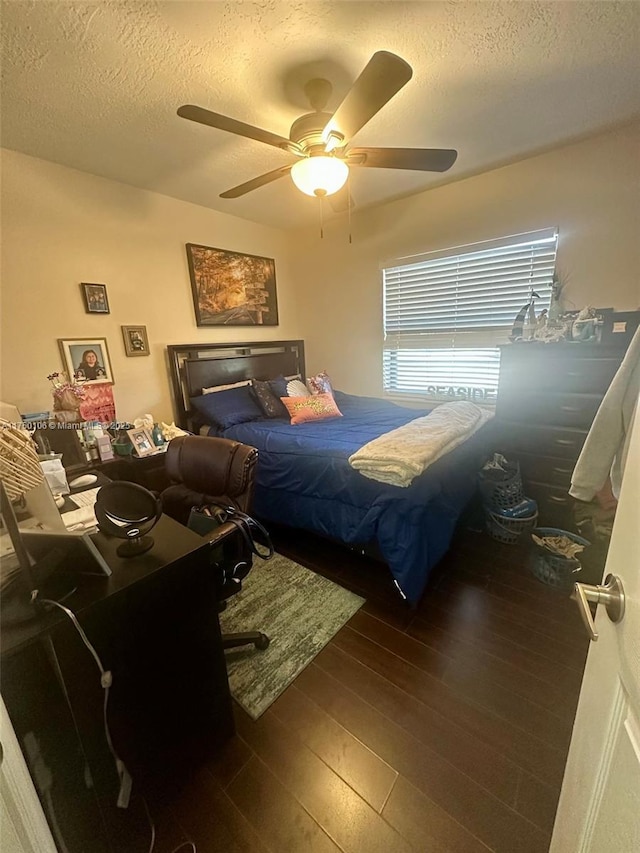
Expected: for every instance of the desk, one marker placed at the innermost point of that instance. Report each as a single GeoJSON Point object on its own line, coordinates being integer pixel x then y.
{"type": "Point", "coordinates": [154, 624]}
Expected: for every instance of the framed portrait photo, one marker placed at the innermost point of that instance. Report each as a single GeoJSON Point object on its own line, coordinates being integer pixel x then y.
{"type": "Point", "coordinates": [142, 441]}
{"type": "Point", "coordinates": [86, 359]}
{"type": "Point", "coordinates": [232, 289]}
{"type": "Point", "coordinates": [95, 298]}
{"type": "Point", "coordinates": [135, 340]}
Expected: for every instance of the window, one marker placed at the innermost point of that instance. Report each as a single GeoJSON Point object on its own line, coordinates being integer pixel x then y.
{"type": "Point", "coordinates": [445, 313]}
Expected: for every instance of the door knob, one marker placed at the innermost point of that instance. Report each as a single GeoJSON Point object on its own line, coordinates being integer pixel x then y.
{"type": "Point", "coordinates": [610, 594]}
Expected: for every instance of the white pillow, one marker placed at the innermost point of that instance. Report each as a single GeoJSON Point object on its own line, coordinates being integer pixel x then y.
{"type": "Point", "coordinates": [297, 388]}
{"type": "Point", "coordinates": [215, 388]}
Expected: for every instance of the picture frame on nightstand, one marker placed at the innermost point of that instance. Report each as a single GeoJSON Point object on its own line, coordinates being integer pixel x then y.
{"type": "Point", "coordinates": [142, 441]}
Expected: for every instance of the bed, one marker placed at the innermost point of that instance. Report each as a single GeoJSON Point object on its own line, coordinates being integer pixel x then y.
{"type": "Point", "coordinates": [304, 479]}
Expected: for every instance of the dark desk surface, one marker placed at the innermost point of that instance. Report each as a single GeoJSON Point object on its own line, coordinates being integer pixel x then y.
{"type": "Point", "coordinates": [172, 542]}
{"type": "Point", "coordinates": [153, 622]}
{"type": "Point", "coordinates": [148, 471]}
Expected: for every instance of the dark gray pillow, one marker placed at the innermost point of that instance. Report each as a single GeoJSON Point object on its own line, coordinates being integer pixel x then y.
{"type": "Point", "coordinates": [267, 400]}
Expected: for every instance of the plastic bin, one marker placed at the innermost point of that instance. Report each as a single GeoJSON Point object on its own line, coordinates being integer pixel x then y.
{"type": "Point", "coordinates": [551, 568]}
{"type": "Point", "coordinates": [506, 529]}
{"type": "Point", "coordinates": [501, 488]}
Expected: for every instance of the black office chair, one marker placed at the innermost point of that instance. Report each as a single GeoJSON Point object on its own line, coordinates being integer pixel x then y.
{"type": "Point", "coordinates": [203, 471]}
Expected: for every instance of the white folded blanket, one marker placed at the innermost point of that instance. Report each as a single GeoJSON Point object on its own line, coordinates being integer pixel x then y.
{"type": "Point", "coordinates": [398, 456]}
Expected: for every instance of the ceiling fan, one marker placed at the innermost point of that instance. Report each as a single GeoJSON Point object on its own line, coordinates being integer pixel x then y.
{"type": "Point", "coordinates": [320, 140]}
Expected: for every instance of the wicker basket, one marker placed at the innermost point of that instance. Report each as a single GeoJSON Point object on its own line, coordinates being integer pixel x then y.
{"type": "Point", "coordinates": [551, 568]}
{"type": "Point", "coordinates": [508, 530]}
{"type": "Point", "coordinates": [501, 489]}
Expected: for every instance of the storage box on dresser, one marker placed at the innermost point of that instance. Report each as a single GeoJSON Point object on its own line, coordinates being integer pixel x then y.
{"type": "Point", "coordinates": [547, 399]}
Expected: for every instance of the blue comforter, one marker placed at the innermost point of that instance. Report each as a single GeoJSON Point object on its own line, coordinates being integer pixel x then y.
{"type": "Point", "coordinates": [304, 480]}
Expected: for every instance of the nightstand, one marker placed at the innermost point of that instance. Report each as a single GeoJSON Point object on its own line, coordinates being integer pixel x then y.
{"type": "Point", "coordinates": [147, 471]}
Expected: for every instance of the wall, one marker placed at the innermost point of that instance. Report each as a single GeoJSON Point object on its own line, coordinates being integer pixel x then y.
{"type": "Point", "coordinates": [61, 227]}
{"type": "Point", "coordinates": [588, 189]}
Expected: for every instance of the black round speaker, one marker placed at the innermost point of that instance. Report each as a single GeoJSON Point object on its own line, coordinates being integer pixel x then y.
{"type": "Point", "coordinates": [128, 511]}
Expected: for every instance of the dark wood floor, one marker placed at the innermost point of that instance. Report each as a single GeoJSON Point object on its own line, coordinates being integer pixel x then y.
{"type": "Point", "coordinates": [441, 729]}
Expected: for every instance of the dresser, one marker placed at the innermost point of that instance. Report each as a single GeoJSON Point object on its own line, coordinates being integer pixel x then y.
{"type": "Point", "coordinates": [548, 396]}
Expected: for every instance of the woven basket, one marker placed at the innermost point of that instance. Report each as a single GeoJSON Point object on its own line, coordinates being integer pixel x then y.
{"type": "Point", "coordinates": [501, 489]}
{"type": "Point", "coordinates": [551, 568]}
{"type": "Point", "coordinates": [508, 530]}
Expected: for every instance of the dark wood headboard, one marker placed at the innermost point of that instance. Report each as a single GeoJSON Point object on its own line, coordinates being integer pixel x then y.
{"type": "Point", "coordinates": [197, 366]}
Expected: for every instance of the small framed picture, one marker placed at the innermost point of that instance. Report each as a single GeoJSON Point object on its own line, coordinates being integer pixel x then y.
{"type": "Point", "coordinates": [135, 340]}
{"type": "Point", "coordinates": [95, 298]}
{"type": "Point", "coordinates": [142, 441]}
{"type": "Point", "coordinates": [86, 359]}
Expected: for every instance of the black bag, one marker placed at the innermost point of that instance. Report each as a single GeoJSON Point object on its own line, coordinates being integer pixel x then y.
{"type": "Point", "coordinates": [233, 556]}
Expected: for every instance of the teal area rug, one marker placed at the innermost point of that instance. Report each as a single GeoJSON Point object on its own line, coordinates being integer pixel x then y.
{"type": "Point", "coordinates": [299, 610]}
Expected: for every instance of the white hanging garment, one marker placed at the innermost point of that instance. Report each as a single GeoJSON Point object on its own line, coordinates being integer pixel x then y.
{"type": "Point", "coordinates": [605, 450]}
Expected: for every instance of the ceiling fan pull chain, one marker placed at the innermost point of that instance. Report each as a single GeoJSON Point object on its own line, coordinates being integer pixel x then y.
{"type": "Point", "coordinates": [321, 220]}
{"type": "Point", "coordinates": [349, 203]}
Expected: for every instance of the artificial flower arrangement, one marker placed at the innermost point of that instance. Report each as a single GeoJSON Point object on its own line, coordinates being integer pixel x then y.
{"type": "Point", "coordinates": [67, 395]}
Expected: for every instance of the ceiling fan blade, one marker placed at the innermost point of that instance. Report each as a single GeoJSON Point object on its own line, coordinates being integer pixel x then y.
{"type": "Point", "coordinates": [419, 159]}
{"type": "Point", "coordinates": [254, 183]}
{"type": "Point", "coordinates": [231, 125]}
{"type": "Point", "coordinates": [341, 201]}
{"type": "Point", "coordinates": [383, 76]}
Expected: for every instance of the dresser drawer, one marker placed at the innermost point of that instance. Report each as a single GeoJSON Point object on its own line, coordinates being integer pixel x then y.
{"type": "Point", "coordinates": [546, 470]}
{"type": "Point", "coordinates": [555, 505]}
{"type": "Point", "coordinates": [555, 408]}
{"type": "Point", "coordinates": [560, 442]}
{"type": "Point", "coordinates": [557, 373]}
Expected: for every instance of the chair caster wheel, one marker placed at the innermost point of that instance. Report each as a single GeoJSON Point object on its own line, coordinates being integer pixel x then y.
{"type": "Point", "coordinates": [263, 642]}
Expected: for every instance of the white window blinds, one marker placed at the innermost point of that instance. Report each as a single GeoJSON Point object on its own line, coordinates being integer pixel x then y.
{"type": "Point", "coordinates": [446, 312]}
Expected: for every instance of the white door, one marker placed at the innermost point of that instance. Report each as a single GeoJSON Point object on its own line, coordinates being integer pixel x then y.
{"type": "Point", "coordinates": [23, 827]}
{"type": "Point", "coordinates": [599, 809]}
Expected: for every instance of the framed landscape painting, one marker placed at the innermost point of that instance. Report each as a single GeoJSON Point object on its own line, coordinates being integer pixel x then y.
{"type": "Point", "coordinates": [232, 289]}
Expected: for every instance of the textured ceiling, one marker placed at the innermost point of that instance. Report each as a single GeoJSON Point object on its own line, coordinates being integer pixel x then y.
{"type": "Point", "coordinates": [95, 86]}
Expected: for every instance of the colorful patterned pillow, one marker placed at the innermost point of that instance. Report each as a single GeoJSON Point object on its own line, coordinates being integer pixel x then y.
{"type": "Point", "coordinates": [267, 400]}
{"type": "Point", "coordinates": [314, 407]}
{"type": "Point", "coordinates": [320, 383]}
{"type": "Point", "coordinates": [297, 388]}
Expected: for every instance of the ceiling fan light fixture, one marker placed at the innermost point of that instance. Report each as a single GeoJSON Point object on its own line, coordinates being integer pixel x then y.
{"type": "Point", "coordinates": [334, 140]}
{"type": "Point", "coordinates": [319, 176]}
